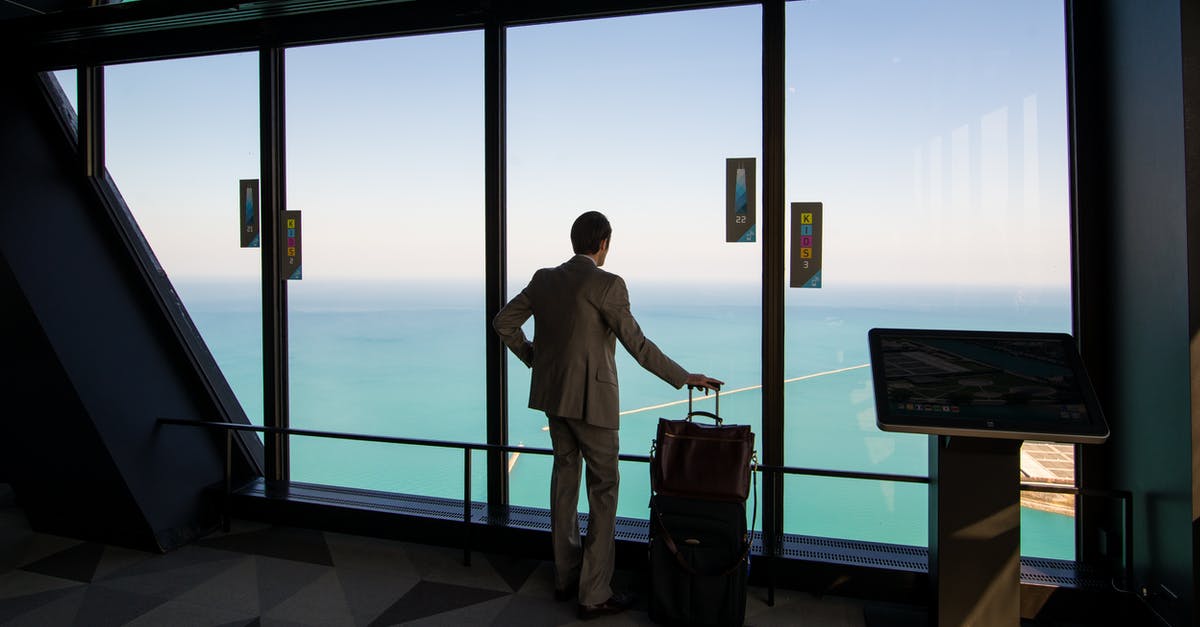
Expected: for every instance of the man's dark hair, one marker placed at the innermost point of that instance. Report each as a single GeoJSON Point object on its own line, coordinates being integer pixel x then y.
{"type": "Point", "coordinates": [589, 230]}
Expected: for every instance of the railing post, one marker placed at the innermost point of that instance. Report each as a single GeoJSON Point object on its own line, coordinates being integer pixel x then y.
{"type": "Point", "coordinates": [466, 506]}
{"type": "Point", "coordinates": [1127, 538]}
{"type": "Point", "coordinates": [226, 525]}
{"type": "Point", "coordinates": [769, 550]}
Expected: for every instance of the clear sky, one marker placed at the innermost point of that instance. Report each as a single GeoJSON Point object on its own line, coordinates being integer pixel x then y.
{"type": "Point", "coordinates": [933, 130]}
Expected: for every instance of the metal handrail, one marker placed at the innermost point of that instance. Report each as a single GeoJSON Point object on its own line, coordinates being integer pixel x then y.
{"type": "Point", "coordinates": [843, 474]}
{"type": "Point", "coordinates": [1124, 496]}
{"type": "Point", "coordinates": [466, 447]}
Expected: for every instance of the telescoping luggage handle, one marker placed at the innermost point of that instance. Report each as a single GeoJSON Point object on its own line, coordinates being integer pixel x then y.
{"type": "Point", "coordinates": [747, 541]}
{"type": "Point", "coordinates": [715, 414]}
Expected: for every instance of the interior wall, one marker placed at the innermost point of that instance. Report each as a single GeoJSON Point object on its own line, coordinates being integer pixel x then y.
{"type": "Point", "coordinates": [1134, 281]}
{"type": "Point", "coordinates": [1190, 21]}
{"type": "Point", "coordinates": [48, 440]}
{"type": "Point", "coordinates": [98, 362]}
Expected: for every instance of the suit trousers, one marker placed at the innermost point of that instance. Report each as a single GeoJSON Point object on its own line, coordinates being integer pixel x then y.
{"type": "Point", "coordinates": [589, 564]}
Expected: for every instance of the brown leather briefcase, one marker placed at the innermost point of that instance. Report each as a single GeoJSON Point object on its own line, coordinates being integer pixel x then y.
{"type": "Point", "coordinates": [702, 461]}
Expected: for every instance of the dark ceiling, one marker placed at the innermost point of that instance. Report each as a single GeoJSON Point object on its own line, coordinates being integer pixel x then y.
{"type": "Point", "coordinates": [70, 33]}
{"type": "Point", "coordinates": [24, 8]}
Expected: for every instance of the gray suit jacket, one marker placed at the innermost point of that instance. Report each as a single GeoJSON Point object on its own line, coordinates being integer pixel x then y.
{"type": "Point", "coordinates": [579, 312]}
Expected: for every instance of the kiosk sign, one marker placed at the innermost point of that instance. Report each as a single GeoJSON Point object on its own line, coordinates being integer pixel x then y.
{"type": "Point", "coordinates": [739, 200]}
{"type": "Point", "coordinates": [289, 249]}
{"type": "Point", "coordinates": [806, 244]}
{"type": "Point", "coordinates": [248, 212]}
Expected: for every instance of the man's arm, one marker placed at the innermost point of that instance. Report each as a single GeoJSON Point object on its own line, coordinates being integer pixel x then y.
{"type": "Point", "coordinates": [620, 319]}
{"type": "Point", "coordinates": [507, 324]}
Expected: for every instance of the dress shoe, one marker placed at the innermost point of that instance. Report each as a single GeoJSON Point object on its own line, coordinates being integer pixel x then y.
{"type": "Point", "coordinates": [566, 594]}
{"type": "Point", "coordinates": [617, 603]}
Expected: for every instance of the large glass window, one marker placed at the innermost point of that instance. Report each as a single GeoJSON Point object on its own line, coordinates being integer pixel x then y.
{"type": "Point", "coordinates": [179, 136]}
{"type": "Point", "coordinates": [939, 151]}
{"type": "Point", "coordinates": [635, 117]}
{"type": "Point", "coordinates": [386, 327]}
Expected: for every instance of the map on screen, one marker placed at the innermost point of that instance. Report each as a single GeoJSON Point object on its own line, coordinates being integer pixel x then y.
{"type": "Point", "coordinates": [983, 384]}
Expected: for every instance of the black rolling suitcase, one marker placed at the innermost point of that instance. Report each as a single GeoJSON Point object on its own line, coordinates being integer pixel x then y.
{"type": "Point", "coordinates": [699, 546]}
{"type": "Point", "coordinates": [698, 561]}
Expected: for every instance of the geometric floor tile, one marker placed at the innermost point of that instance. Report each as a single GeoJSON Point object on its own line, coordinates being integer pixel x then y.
{"type": "Point", "coordinates": [514, 570]}
{"type": "Point", "coordinates": [125, 564]}
{"type": "Point", "coordinates": [19, 583]}
{"type": "Point", "coordinates": [826, 611]}
{"type": "Point", "coordinates": [168, 583]}
{"type": "Point", "coordinates": [77, 563]}
{"type": "Point", "coordinates": [61, 611]}
{"type": "Point", "coordinates": [13, 607]}
{"type": "Point", "coordinates": [429, 598]}
{"type": "Point", "coordinates": [179, 614]}
{"type": "Point", "coordinates": [109, 606]}
{"type": "Point", "coordinates": [12, 545]}
{"type": "Point", "coordinates": [369, 593]}
{"type": "Point", "coordinates": [299, 545]}
{"type": "Point", "coordinates": [280, 580]}
{"type": "Point", "coordinates": [35, 546]}
{"type": "Point", "coordinates": [267, 576]}
{"type": "Point", "coordinates": [526, 611]}
{"type": "Point", "coordinates": [117, 558]}
{"type": "Point", "coordinates": [478, 614]}
{"type": "Point", "coordinates": [370, 555]}
{"type": "Point", "coordinates": [897, 616]}
{"type": "Point", "coordinates": [235, 589]}
{"type": "Point", "coordinates": [257, 622]}
{"type": "Point", "coordinates": [445, 565]}
{"type": "Point", "coordinates": [322, 602]}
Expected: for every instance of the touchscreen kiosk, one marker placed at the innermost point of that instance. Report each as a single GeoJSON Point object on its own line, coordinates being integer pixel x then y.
{"type": "Point", "coordinates": [984, 384]}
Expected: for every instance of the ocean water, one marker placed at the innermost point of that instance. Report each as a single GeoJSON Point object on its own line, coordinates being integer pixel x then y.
{"type": "Point", "coordinates": [405, 359]}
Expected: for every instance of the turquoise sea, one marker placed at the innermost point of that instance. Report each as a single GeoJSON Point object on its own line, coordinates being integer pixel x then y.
{"type": "Point", "coordinates": [406, 359]}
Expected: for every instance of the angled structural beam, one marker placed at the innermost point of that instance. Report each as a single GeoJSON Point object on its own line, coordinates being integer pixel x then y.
{"type": "Point", "coordinates": [83, 451]}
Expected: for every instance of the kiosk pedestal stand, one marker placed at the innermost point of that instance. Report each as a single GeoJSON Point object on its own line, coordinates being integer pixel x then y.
{"type": "Point", "coordinates": [975, 531]}
{"type": "Point", "coordinates": [978, 395]}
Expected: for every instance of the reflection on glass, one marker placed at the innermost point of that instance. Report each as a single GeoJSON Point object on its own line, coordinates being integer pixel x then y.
{"type": "Point", "coordinates": [179, 136]}
{"type": "Point", "coordinates": [739, 192]}
{"type": "Point", "coordinates": [385, 164]}
{"type": "Point", "coordinates": [939, 152]}
{"type": "Point", "coordinates": [635, 117]}
{"type": "Point", "coordinates": [67, 81]}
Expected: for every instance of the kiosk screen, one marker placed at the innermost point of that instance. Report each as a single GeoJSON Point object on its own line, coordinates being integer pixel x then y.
{"type": "Point", "coordinates": [983, 384]}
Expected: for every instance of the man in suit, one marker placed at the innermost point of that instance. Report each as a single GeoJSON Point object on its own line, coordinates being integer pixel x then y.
{"type": "Point", "coordinates": [580, 311]}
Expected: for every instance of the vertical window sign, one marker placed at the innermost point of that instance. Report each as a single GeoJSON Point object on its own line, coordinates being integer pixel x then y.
{"type": "Point", "coordinates": [739, 200]}
{"type": "Point", "coordinates": [806, 244]}
{"type": "Point", "coordinates": [289, 251]}
{"type": "Point", "coordinates": [248, 212]}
